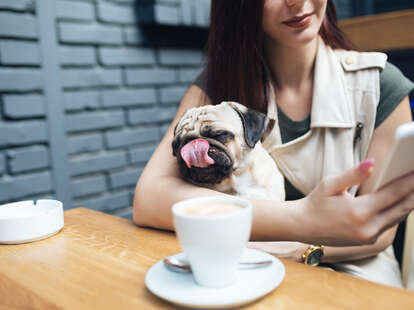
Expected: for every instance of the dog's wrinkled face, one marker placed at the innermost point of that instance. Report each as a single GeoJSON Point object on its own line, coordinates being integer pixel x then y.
{"type": "Point", "coordinates": [210, 141]}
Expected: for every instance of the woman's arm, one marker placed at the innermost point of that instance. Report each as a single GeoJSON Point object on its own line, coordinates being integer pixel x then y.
{"type": "Point", "coordinates": [380, 145]}
{"type": "Point", "coordinates": [323, 217]}
{"type": "Point", "coordinates": [161, 185]}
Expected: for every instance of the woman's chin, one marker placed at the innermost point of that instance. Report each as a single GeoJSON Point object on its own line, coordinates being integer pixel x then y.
{"type": "Point", "coordinates": [300, 39]}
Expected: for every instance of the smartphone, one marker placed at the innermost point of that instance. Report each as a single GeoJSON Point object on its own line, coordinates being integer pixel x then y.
{"type": "Point", "coordinates": [400, 160]}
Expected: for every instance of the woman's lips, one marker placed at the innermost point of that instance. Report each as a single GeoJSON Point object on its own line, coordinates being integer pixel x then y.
{"type": "Point", "coordinates": [299, 21]}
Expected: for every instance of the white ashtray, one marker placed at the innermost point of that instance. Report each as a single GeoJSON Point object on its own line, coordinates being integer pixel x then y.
{"type": "Point", "coordinates": [27, 221]}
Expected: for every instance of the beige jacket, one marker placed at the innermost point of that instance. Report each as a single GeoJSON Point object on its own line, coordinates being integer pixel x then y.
{"type": "Point", "coordinates": [345, 98]}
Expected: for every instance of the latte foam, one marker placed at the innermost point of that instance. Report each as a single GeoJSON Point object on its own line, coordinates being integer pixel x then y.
{"type": "Point", "coordinates": [213, 208]}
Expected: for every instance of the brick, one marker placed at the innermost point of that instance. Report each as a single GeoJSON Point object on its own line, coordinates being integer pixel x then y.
{"type": "Point", "coordinates": [126, 56]}
{"type": "Point", "coordinates": [187, 12]}
{"type": "Point", "coordinates": [19, 5]}
{"type": "Point", "coordinates": [166, 114]}
{"type": "Point", "coordinates": [172, 94]}
{"type": "Point", "coordinates": [108, 202]}
{"type": "Point", "coordinates": [202, 13]}
{"type": "Point", "coordinates": [173, 56]}
{"type": "Point", "coordinates": [164, 128]}
{"type": "Point", "coordinates": [25, 185]}
{"type": "Point", "coordinates": [142, 116]}
{"type": "Point", "coordinates": [170, 2]}
{"type": "Point", "coordinates": [112, 13]}
{"type": "Point", "coordinates": [150, 76]}
{"type": "Point", "coordinates": [130, 137]}
{"type": "Point", "coordinates": [23, 106]}
{"type": "Point", "coordinates": [19, 53]}
{"type": "Point", "coordinates": [87, 77]}
{"type": "Point", "coordinates": [18, 25]}
{"type": "Point", "coordinates": [188, 75]}
{"type": "Point", "coordinates": [81, 100]}
{"type": "Point", "coordinates": [2, 164]}
{"type": "Point", "coordinates": [140, 155]}
{"type": "Point", "coordinates": [150, 115]}
{"type": "Point", "coordinates": [128, 97]}
{"type": "Point", "coordinates": [20, 133]}
{"type": "Point", "coordinates": [125, 178]}
{"type": "Point", "coordinates": [94, 121]}
{"type": "Point", "coordinates": [135, 36]}
{"type": "Point", "coordinates": [75, 10]}
{"type": "Point", "coordinates": [167, 15]}
{"type": "Point", "coordinates": [90, 33]}
{"type": "Point", "coordinates": [16, 79]}
{"type": "Point", "coordinates": [88, 186]}
{"type": "Point", "coordinates": [27, 159]}
{"type": "Point", "coordinates": [71, 55]}
{"type": "Point", "coordinates": [85, 143]}
{"type": "Point", "coordinates": [97, 163]}
{"type": "Point", "coordinates": [125, 1]}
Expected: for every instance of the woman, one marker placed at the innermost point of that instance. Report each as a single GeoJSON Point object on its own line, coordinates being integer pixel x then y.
{"type": "Point", "coordinates": [335, 108]}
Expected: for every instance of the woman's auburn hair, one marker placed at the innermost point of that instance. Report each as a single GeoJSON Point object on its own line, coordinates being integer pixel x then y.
{"type": "Point", "coordinates": [235, 69]}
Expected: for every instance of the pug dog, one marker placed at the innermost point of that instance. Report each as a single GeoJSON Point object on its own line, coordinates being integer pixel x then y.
{"type": "Point", "coordinates": [219, 147]}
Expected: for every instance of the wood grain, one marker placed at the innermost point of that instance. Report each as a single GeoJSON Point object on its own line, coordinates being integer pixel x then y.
{"type": "Point", "coordinates": [99, 261]}
{"type": "Point", "coordinates": [386, 31]}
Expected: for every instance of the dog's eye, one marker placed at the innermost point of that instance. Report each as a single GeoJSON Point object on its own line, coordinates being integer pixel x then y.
{"type": "Point", "coordinates": [220, 135]}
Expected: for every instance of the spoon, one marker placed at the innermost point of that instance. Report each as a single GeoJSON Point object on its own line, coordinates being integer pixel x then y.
{"type": "Point", "coordinates": [181, 265]}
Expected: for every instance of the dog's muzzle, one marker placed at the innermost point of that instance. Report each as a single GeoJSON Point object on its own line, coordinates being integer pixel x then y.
{"type": "Point", "coordinates": [204, 163]}
{"type": "Point", "coordinates": [195, 153]}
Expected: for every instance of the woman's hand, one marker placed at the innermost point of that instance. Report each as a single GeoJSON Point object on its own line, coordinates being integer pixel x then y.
{"type": "Point", "coordinates": [330, 208]}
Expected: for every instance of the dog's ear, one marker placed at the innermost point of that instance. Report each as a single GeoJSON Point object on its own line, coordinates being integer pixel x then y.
{"type": "Point", "coordinates": [254, 124]}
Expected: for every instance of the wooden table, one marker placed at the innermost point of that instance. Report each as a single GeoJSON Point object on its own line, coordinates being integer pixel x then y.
{"type": "Point", "coordinates": [99, 261]}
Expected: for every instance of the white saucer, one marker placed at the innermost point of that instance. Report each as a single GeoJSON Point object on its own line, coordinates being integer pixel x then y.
{"type": "Point", "coordinates": [181, 289]}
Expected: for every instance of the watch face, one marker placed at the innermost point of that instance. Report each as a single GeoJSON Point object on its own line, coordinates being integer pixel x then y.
{"type": "Point", "coordinates": [314, 257]}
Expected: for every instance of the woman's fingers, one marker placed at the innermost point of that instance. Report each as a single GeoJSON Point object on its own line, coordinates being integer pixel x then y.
{"type": "Point", "coordinates": [391, 194]}
{"type": "Point", "coordinates": [364, 217]}
{"type": "Point", "coordinates": [394, 215]}
{"type": "Point", "coordinates": [338, 184]}
{"type": "Point", "coordinates": [378, 213]}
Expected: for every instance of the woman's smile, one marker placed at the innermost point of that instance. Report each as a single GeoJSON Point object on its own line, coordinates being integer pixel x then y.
{"type": "Point", "coordinates": [299, 21]}
{"type": "Point", "coordinates": [292, 23]}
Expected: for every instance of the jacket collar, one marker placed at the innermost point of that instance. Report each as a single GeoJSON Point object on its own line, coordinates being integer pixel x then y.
{"type": "Point", "coordinates": [331, 106]}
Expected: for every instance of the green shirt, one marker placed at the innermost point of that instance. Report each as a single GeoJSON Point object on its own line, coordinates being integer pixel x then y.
{"type": "Point", "coordinates": [394, 86]}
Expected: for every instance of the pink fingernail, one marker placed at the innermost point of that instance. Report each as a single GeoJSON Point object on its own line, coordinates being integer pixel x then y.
{"type": "Point", "coordinates": [366, 165]}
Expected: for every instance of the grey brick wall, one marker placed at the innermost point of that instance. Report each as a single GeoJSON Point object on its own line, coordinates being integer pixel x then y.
{"type": "Point", "coordinates": [27, 159]}
{"type": "Point", "coordinates": [187, 13]}
{"type": "Point", "coordinates": [119, 90]}
{"type": "Point", "coordinates": [25, 169]}
{"type": "Point", "coordinates": [119, 93]}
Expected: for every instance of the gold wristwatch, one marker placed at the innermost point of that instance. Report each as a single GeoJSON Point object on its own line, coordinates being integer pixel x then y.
{"type": "Point", "coordinates": [313, 255]}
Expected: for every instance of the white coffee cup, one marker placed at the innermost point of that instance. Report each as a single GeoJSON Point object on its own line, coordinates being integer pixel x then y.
{"type": "Point", "coordinates": [213, 243]}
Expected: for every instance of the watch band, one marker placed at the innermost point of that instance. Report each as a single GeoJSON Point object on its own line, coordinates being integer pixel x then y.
{"type": "Point", "coordinates": [313, 255]}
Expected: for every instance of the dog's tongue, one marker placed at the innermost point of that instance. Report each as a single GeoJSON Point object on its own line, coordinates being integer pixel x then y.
{"type": "Point", "coordinates": [194, 153]}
